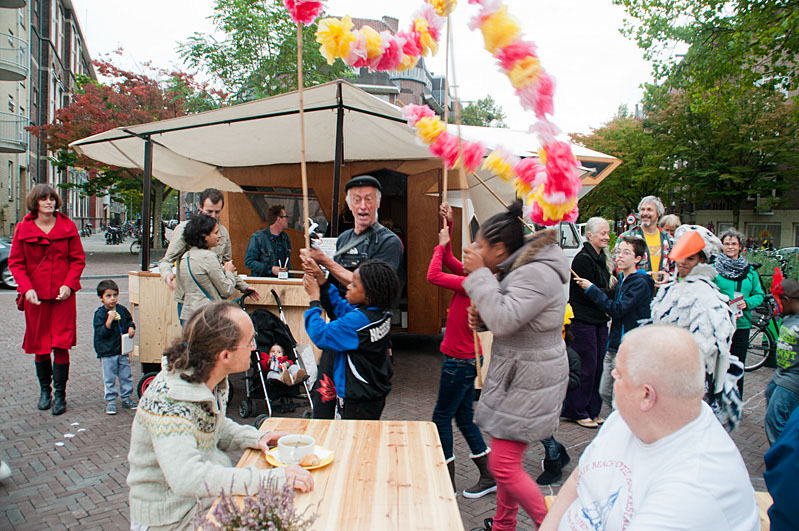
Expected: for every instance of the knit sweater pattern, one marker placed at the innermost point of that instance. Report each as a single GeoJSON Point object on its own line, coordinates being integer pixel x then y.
{"type": "Point", "coordinates": [177, 453]}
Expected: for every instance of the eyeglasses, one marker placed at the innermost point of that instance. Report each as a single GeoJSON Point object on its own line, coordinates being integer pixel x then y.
{"type": "Point", "coordinates": [251, 345]}
{"type": "Point", "coordinates": [623, 253]}
{"type": "Point", "coordinates": [282, 216]}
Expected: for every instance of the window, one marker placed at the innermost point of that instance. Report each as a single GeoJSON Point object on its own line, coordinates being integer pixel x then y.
{"type": "Point", "coordinates": [569, 237]}
{"type": "Point", "coordinates": [35, 96]}
{"type": "Point", "coordinates": [11, 105]}
{"type": "Point", "coordinates": [763, 232]}
{"type": "Point", "coordinates": [262, 197]}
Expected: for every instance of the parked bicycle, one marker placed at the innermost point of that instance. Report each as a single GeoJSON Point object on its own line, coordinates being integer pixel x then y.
{"type": "Point", "coordinates": [135, 246]}
{"type": "Point", "coordinates": [766, 322]}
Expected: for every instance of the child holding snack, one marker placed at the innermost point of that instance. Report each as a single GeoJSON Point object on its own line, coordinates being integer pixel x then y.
{"type": "Point", "coordinates": [358, 337]}
{"type": "Point", "coordinates": [111, 320]}
{"type": "Point", "coordinates": [281, 368]}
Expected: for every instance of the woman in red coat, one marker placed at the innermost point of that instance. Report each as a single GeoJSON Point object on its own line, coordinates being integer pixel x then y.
{"type": "Point", "coordinates": [47, 260]}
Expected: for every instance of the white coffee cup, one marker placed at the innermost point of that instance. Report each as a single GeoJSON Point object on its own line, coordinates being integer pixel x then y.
{"type": "Point", "coordinates": [292, 448]}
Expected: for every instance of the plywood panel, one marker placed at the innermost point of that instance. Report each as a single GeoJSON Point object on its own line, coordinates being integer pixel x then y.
{"type": "Point", "coordinates": [423, 298]}
{"type": "Point", "coordinates": [158, 321]}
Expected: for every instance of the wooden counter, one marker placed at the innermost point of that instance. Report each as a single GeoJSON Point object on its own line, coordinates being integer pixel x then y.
{"type": "Point", "coordinates": [386, 475]}
{"type": "Point", "coordinates": [158, 321]}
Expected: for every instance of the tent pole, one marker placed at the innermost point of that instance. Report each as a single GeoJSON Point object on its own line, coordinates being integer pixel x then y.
{"type": "Point", "coordinates": [303, 169]}
{"type": "Point", "coordinates": [146, 182]}
{"type": "Point", "coordinates": [339, 157]}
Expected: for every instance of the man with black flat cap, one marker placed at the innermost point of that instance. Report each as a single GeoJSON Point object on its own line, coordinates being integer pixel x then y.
{"type": "Point", "coordinates": [368, 240]}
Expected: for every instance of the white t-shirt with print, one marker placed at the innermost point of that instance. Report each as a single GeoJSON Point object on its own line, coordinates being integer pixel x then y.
{"type": "Point", "coordinates": [694, 479]}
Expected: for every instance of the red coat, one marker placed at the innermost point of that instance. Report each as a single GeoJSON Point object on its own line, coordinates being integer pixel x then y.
{"type": "Point", "coordinates": [45, 262]}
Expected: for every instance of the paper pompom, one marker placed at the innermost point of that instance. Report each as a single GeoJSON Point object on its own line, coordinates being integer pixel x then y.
{"type": "Point", "coordinates": [501, 164]}
{"type": "Point", "coordinates": [335, 37]}
{"type": "Point", "coordinates": [472, 155]}
{"type": "Point", "coordinates": [515, 52]}
{"type": "Point", "coordinates": [443, 7]}
{"type": "Point", "coordinates": [303, 11]}
{"type": "Point", "coordinates": [392, 53]}
{"type": "Point", "coordinates": [525, 72]}
{"type": "Point", "coordinates": [499, 30]}
{"type": "Point", "coordinates": [414, 113]}
{"type": "Point", "coordinates": [429, 129]}
{"type": "Point", "coordinates": [446, 148]}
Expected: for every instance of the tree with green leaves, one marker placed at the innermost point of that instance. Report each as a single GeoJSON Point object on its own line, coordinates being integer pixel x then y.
{"type": "Point", "coordinates": [127, 98]}
{"type": "Point", "coordinates": [641, 173]}
{"type": "Point", "coordinates": [257, 57]}
{"type": "Point", "coordinates": [484, 112]}
{"type": "Point", "coordinates": [754, 42]}
{"type": "Point", "coordinates": [728, 150]}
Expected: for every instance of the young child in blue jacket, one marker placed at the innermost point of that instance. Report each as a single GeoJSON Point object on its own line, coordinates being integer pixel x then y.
{"type": "Point", "coordinates": [359, 338]}
{"type": "Point", "coordinates": [629, 306]}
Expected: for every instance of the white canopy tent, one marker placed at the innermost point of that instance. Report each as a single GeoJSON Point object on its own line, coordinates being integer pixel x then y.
{"type": "Point", "coordinates": [342, 123]}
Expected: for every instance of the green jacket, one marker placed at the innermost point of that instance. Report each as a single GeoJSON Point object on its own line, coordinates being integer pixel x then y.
{"type": "Point", "coordinates": [750, 288]}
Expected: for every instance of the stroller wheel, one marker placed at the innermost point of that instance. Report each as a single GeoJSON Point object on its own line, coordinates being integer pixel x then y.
{"type": "Point", "coordinates": [259, 420]}
{"type": "Point", "coordinates": [307, 414]}
{"type": "Point", "coordinates": [247, 408]}
{"type": "Point", "coordinates": [145, 382]}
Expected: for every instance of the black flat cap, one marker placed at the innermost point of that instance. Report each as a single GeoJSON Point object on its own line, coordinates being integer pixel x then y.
{"type": "Point", "coordinates": [363, 180]}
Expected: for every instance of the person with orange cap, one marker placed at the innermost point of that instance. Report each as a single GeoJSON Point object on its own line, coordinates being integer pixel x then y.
{"type": "Point", "coordinates": [694, 302]}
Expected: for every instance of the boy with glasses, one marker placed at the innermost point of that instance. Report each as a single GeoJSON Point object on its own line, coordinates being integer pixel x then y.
{"type": "Point", "coordinates": [628, 306]}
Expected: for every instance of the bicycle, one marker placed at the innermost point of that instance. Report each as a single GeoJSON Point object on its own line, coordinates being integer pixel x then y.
{"type": "Point", "coordinates": [766, 323]}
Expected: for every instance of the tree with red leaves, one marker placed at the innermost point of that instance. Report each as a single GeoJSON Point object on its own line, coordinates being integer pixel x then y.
{"type": "Point", "coordinates": [125, 98]}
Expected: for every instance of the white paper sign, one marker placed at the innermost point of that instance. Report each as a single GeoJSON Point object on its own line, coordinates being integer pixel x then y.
{"type": "Point", "coordinates": [127, 344]}
{"type": "Point", "coordinates": [328, 246]}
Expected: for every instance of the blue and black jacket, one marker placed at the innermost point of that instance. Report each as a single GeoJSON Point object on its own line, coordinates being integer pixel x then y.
{"type": "Point", "coordinates": [108, 341]}
{"type": "Point", "coordinates": [359, 341]}
{"type": "Point", "coordinates": [629, 306]}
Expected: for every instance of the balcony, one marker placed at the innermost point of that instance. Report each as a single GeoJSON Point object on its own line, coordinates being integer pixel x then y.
{"type": "Point", "coordinates": [14, 59]}
{"type": "Point", "coordinates": [13, 137]}
{"type": "Point", "coordinates": [12, 4]}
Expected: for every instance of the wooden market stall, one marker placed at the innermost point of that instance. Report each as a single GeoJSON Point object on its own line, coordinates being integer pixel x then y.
{"type": "Point", "coordinates": [251, 151]}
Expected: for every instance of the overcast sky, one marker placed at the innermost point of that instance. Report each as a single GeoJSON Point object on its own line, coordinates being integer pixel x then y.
{"type": "Point", "coordinates": [596, 69]}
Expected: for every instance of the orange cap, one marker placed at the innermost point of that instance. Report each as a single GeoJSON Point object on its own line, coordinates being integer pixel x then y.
{"type": "Point", "coordinates": [689, 244]}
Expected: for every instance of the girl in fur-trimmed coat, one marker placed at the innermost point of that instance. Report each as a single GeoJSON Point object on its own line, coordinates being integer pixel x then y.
{"type": "Point", "coordinates": [526, 382]}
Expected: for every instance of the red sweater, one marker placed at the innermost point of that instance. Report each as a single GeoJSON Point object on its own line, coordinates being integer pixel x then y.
{"type": "Point", "coordinates": [458, 337]}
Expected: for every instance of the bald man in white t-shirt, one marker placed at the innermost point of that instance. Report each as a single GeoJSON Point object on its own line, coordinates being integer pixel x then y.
{"type": "Point", "coordinates": [661, 460]}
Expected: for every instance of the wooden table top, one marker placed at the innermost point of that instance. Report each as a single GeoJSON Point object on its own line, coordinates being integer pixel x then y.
{"type": "Point", "coordinates": [386, 475]}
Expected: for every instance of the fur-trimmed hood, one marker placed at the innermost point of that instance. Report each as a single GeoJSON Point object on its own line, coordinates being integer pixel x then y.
{"type": "Point", "coordinates": [540, 247]}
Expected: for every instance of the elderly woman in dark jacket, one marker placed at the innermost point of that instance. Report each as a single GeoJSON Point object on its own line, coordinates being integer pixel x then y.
{"type": "Point", "coordinates": [526, 381]}
{"type": "Point", "coordinates": [590, 325]}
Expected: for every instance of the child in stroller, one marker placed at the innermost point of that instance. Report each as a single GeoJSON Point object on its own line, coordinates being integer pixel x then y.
{"type": "Point", "coordinates": [281, 368]}
{"type": "Point", "coordinates": [276, 353]}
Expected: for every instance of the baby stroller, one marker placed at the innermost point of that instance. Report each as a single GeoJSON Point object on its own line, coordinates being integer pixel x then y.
{"type": "Point", "coordinates": [271, 329]}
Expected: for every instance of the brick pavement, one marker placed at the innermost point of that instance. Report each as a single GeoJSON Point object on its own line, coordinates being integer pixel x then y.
{"type": "Point", "coordinates": [82, 483]}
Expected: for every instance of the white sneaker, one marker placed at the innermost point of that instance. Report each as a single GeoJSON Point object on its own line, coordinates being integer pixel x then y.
{"type": "Point", "coordinates": [5, 471]}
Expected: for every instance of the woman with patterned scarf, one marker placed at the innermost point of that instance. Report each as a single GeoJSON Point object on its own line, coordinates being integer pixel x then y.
{"type": "Point", "coordinates": [740, 282]}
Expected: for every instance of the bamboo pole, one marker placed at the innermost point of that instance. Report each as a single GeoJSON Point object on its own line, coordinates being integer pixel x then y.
{"type": "Point", "coordinates": [463, 183]}
{"type": "Point", "coordinates": [446, 112]}
{"type": "Point", "coordinates": [303, 169]}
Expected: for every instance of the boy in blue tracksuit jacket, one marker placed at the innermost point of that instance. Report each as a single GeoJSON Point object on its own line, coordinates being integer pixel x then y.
{"type": "Point", "coordinates": [360, 376]}
{"type": "Point", "coordinates": [630, 304]}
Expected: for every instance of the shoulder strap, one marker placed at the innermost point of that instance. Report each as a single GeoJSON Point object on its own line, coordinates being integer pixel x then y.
{"type": "Point", "coordinates": [188, 264]}
{"type": "Point", "coordinates": [355, 242]}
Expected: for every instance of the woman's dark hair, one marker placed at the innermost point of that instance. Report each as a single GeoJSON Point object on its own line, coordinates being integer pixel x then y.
{"type": "Point", "coordinates": [209, 331]}
{"type": "Point", "coordinates": [197, 229]}
{"type": "Point", "coordinates": [505, 227]}
{"type": "Point", "coordinates": [380, 282]}
{"type": "Point", "coordinates": [39, 192]}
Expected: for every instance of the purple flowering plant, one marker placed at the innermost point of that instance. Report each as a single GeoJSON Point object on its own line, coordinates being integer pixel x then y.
{"type": "Point", "coordinates": [271, 508]}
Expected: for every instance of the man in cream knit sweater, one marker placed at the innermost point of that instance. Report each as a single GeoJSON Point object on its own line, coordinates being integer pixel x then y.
{"type": "Point", "coordinates": [180, 431]}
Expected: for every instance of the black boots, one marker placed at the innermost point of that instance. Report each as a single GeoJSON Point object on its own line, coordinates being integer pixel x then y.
{"type": "Point", "coordinates": [60, 375]}
{"type": "Point", "coordinates": [44, 371]}
{"type": "Point", "coordinates": [451, 468]}
{"type": "Point", "coordinates": [486, 483]}
{"type": "Point", "coordinates": [553, 468]}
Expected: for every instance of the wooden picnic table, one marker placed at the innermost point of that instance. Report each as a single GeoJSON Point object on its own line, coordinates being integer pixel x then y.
{"type": "Point", "coordinates": [386, 475]}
